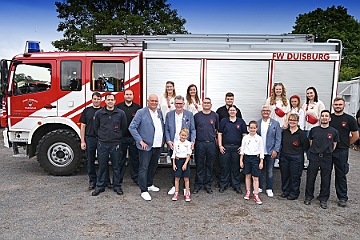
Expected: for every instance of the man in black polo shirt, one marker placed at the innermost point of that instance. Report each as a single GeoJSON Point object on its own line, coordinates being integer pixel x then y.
{"type": "Point", "coordinates": [128, 142]}
{"type": "Point", "coordinates": [345, 124]}
{"type": "Point", "coordinates": [206, 125]}
{"type": "Point", "coordinates": [323, 140]}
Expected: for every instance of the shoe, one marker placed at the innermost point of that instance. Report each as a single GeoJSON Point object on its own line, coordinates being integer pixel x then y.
{"type": "Point", "coordinates": [291, 198]}
{"type": "Point", "coordinates": [323, 205]}
{"type": "Point", "coordinates": [109, 185]}
{"type": "Point", "coordinates": [159, 161]}
{"type": "Point", "coordinates": [238, 190]}
{"type": "Point", "coordinates": [168, 159]}
{"type": "Point", "coordinates": [269, 192]}
{"type": "Point", "coordinates": [276, 163]}
{"type": "Point", "coordinates": [259, 191]}
{"type": "Point", "coordinates": [187, 197]}
{"type": "Point", "coordinates": [247, 195]}
{"type": "Point", "coordinates": [221, 189]}
{"type": "Point", "coordinates": [196, 191]}
{"type": "Point", "coordinates": [257, 199]}
{"type": "Point", "coordinates": [307, 201]}
{"type": "Point", "coordinates": [342, 203]}
{"type": "Point", "coordinates": [185, 191]}
{"type": "Point", "coordinates": [153, 188]}
{"type": "Point", "coordinates": [20, 155]}
{"type": "Point", "coordinates": [97, 192]}
{"type": "Point", "coordinates": [284, 195]}
{"type": "Point", "coordinates": [119, 191]}
{"type": "Point", "coordinates": [176, 196]}
{"type": "Point", "coordinates": [171, 191]}
{"type": "Point", "coordinates": [209, 191]}
{"type": "Point", "coordinates": [92, 186]}
{"type": "Point", "coordinates": [146, 196]}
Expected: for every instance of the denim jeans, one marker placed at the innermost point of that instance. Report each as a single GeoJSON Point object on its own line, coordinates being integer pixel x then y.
{"type": "Point", "coordinates": [291, 168]}
{"type": "Point", "coordinates": [325, 165]}
{"type": "Point", "coordinates": [104, 151]}
{"type": "Point", "coordinates": [230, 166]}
{"type": "Point", "coordinates": [204, 168]}
{"type": "Point", "coordinates": [341, 166]}
{"type": "Point", "coordinates": [91, 145]}
{"type": "Point", "coordinates": [148, 162]}
{"type": "Point", "coordinates": [129, 143]}
{"type": "Point", "coordinates": [268, 164]}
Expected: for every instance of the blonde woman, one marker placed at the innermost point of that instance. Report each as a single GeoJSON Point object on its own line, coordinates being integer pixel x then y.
{"type": "Point", "coordinates": [279, 105]}
{"type": "Point", "coordinates": [166, 101]}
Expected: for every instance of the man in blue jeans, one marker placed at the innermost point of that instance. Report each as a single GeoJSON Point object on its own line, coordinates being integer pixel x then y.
{"type": "Point", "coordinates": [128, 142]}
{"type": "Point", "coordinates": [270, 132]}
{"type": "Point", "coordinates": [110, 126]}
{"type": "Point", "coordinates": [345, 124]}
{"type": "Point", "coordinates": [147, 128]}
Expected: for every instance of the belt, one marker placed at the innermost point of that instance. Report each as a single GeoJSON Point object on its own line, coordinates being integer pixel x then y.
{"type": "Point", "coordinates": [177, 158]}
{"type": "Point", "coordinates": [323, 154]}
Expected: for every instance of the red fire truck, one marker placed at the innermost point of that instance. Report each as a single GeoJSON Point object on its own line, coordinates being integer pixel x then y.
{"type": "Point", "coordinates": [44, 93]}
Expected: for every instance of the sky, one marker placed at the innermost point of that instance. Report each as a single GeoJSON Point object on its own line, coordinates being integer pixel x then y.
{"type": "Point", "coordinates": [37, 19]}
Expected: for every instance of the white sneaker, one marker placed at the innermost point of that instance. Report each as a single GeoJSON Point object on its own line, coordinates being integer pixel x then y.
{"type": "Point", "coordinates": [306, 163]}
{"type": "Point", "coordinates": [171, 191]}
{"type": "Point", "coordinates": [269, 192]}
{"type": "Point", "coordinates": [185, 191]}
{"type": "Point", "coordinates": [153, 188]}
{"type": "Point", "coordinates": [276, 163]}
{"type": "Point", "coordinates": [146, 196]}
{"type": "Point", "coordinates": [168, 159]}
{"type": "Point", "coordinates": [259, 190]}
{"type": "Point", "coordinates": [159, 161]}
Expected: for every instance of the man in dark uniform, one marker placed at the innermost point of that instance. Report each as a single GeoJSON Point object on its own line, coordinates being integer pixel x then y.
{"type": "Point", "coordinates": [323, 140]}
{"type": "Point", "coordinates": [128, 142]}
{"type": "Point", "coordinates": [89, 139]}
{"type": "Point", "coordinates": [345, 124]}
{"type": "Point", "coordinates": [110, 125]}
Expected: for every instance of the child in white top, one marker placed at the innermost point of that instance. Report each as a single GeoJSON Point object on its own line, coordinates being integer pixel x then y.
{"type": "Point", "coordinates": [251, 160]}
{"type": "Point", "coordinates": [295, 108]}
{"type": "Point", "coordinates": [180, 159]}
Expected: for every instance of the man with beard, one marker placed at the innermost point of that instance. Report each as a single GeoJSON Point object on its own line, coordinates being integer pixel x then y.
{"type": "Point", "coordinates": [345, 124]}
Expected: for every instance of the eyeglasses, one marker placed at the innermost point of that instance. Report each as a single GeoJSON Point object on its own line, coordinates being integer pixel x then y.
{"type": "Point", "coordinates": [266, 111]}
{"type": "Point", "coordinates": [206, 102]}
{"type": "Point", "coordinates": [179, 103]}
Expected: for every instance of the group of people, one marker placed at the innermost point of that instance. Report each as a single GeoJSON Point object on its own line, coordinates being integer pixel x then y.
{"type": "Point", "coordinates": [283, 133]}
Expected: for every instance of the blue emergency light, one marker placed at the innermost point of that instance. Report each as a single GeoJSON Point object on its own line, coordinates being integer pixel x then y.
{"type": "Point", "coordinates": [32, 46]}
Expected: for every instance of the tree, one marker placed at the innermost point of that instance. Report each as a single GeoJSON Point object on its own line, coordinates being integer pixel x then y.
{"type": "Point", "coordinates": [83, 19]}
{"type": "Point", "coordinates": [334, 22]}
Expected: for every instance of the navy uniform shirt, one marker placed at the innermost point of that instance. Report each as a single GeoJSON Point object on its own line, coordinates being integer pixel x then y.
{"type": "Point", "coordinates": [130, 112]}
{"type": "Point", "coordinates": [87, 118]}
{"type": "Point", "coordinates": [323, 139]}
{"type": "Point", "coordinates": [232, 132]}
{"type": "Point", "coordinates": [224, 113]}
{"type": "Point", "coordinates": [294, 143]}
{"type": "Point", "coordinates": [344, 124]}
{"type": "Point", "coordinates": [206, 126]}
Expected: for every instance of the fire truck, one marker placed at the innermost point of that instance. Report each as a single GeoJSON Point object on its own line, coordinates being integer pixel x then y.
{"type": "Point", "coordinates": [44, 93]}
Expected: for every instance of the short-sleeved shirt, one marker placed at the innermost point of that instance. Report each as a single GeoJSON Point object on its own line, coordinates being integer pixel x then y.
{"type": "Point", "coordinates": [181, 149]}
{"type": "Point", "coordinates": [206, 126]}
{"type": "Point", "coordinates": [232, 132]}
{"type": "Point", "coordinates": [323, 139]}
{"type": "Point", "coordinates": [294, 143]}
{"type": "Point", "coordinates": [344, 124]}
{"type": "Point", "coordinates": [87, 118]}
{"type": "Point", "coordinates": [224, 113]}
{"type": "Point", "coordinates": [130, 112]}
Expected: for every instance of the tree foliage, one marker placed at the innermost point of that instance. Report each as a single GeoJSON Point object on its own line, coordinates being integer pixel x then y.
{"type": "Point", "coordinates": [334, 23]}
{"type": "Point", "coordinates": [83, 19]}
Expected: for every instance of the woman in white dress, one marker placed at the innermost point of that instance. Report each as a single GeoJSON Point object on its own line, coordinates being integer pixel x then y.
{"type": "Point", "coordinates": [193, 103]}
{"type": "Point", "coordinates": [166, 101]}
{"type": "Point", "coordinates": [296, 108]}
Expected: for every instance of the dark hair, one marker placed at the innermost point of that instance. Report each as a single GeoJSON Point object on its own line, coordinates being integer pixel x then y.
{"type": "Point", "coordinates": [316, 98]}
{"type": "Point", "coordinates": [339, 99]}
{"type": "Point", "coordinates": [229, 94]}
{"type": "Point", "coordinates": [253, 122]}
{"type": "Point", "coordinates": [233, 107]}
{"type": "Point", "coordinates": [325, 110]}
{"type": "Point", "coordinates": [96, 94]}
{"type": "Point", "coordinates": [128, 89]}
{"type": "Point", "coordinates": [188, 97]}
{"type": "Point", "coordinates": [207, 98]}
{"type": "Point", "coordinates": [109, 94]}
{"type": "Point", "coordinates": [173, 84]}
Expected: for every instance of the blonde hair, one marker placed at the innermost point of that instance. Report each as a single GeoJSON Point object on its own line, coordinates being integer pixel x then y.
{"type": "Point", "coordinates": [273, 95]}
{"type": "Point", "coordinates": [185, 130]}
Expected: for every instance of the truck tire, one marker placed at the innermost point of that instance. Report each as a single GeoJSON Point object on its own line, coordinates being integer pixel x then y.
{"type": "Point", "coordinates": [59, 153]}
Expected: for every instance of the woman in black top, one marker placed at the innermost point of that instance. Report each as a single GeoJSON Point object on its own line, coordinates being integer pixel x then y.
{"type": "Point", "coordinates": [294, 142]}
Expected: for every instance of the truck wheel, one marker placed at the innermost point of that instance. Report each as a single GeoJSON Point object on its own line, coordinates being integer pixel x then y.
{"type": "Point", "coordinates": [59, 153]}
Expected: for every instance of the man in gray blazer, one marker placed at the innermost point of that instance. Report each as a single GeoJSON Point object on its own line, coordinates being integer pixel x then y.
{"type": "Point", "coordinates": [270, 131]}
{"type": "Point", "coordinates": [147, 128]}
{"type": "Point", "coordinates": [175, 121]}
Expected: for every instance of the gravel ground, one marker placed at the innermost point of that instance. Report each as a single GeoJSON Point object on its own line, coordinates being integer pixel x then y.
{"type": "Point", "coordinates": [36, 205]}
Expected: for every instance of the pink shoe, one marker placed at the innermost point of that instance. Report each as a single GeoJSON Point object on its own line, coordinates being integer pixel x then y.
{"type": "Point", "coordinates": [187, 197]}
{"type": "Point", "coordinates": [257, 199]}
{"type": "Point", "coordinates": [247, 195]}
{"type": "Point", "coordinates": [176, 196]}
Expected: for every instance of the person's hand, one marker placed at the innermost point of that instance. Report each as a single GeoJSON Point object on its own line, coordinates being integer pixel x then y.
{"type": "Point", "coordinates": [171, 145]}
{"type": "Point", "coordinates": [184, 166]}
{"type": "Point", "coordinates": [241, 164]}
{"type": "Point", "coordinates": [174, 166]}
{"type": "Point", "coordinates": [143, 145]}
{"type": "Point", "coordinates": [261, 165]}
{"type": "Point", "coordinates": [222, 149]}
{"type": "Point", "coordinates": [192, 145]}
{"type": "Point", "coordinates": [273, 154]}
{"type": "Point", "coordinates": [83, 145]}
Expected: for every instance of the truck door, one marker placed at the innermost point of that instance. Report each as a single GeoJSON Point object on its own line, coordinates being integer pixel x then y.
{"type": "Point", "coordinates": [34, 94]}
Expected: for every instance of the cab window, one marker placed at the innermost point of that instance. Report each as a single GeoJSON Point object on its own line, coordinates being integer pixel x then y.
{"type": "Point", "coordinates": [70, 73]}
{"type": "Point", "coordinates": [108, 76]}
{"type": "Point", "coordinates": [31, 78]}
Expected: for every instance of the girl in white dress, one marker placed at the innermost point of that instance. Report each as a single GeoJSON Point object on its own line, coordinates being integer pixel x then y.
{"type": "Point", "coordinates": [193, 103]}
{"type": "Point", "coordinates": [295, 108]}
{"type": "Point", "coordinates": [166, 101]}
